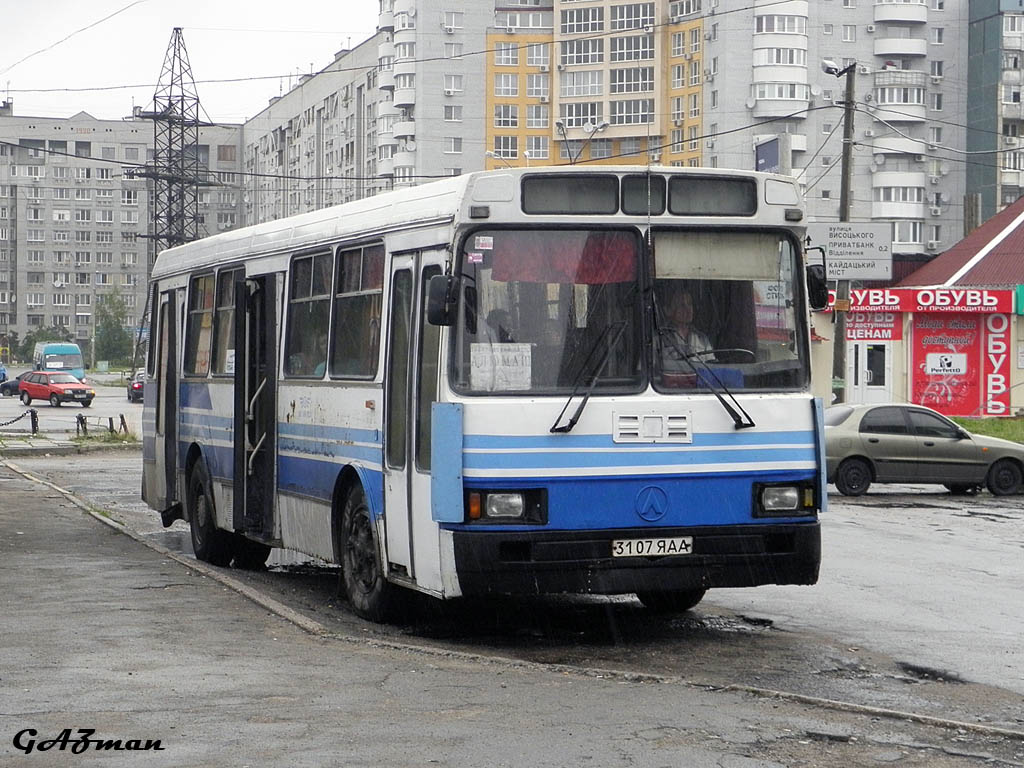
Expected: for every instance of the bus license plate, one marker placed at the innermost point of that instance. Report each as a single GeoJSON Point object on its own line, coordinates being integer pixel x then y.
{"type": "Point", "coordinates": [679, 545]}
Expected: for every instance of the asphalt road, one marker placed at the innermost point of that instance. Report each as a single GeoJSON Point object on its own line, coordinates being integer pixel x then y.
{"type": "Point", "coordinates": [102, 632]}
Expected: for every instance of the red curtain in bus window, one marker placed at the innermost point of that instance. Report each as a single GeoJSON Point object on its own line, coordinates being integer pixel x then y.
{"type": "Point", "coordinates": [554, 256]}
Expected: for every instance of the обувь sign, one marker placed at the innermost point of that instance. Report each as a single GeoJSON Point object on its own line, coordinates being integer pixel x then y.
{"type": "Point", "coordinates": [931, 300]}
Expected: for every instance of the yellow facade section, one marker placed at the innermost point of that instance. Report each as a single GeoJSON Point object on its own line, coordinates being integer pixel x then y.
{"type": "Point", "coordinates": [681, 121]}
{"type": "Point", "coordinates": [518, 119]}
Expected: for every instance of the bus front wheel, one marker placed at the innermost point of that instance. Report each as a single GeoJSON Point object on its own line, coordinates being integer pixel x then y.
{"type": "Point", "coordinates": [210, 543]}
{"type": "Point", "coordinates": [367, 589]}
{"type": "Point", "coordinates": [671, 601]}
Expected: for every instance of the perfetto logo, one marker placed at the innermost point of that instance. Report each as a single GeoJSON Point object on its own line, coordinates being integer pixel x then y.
{"type": "Point", "coordinates": [80, 741]}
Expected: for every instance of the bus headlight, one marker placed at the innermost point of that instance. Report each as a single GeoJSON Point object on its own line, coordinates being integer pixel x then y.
{"type": "Point", "coordinates": [784, 500]}
{"type": "Point", "coordinates": [504, 505]}
{"type": "Point", "coordinates": [780, 499]}
{"type": "Point", "coordinates": [507, 505]}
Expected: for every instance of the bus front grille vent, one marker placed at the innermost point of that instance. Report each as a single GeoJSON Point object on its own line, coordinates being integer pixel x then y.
{"type": "Point", "coordinates": [652, 428]}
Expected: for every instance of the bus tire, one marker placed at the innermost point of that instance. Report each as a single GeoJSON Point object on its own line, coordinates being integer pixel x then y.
{"type": "Point", "coordinates": [367, 588]}
{"type": "Point", "coordinates": [671, 601]}
{"type": "Point", "coordinates": [249, 555]}
{"type": "Point", "coordinates": [853, 478]}
{"type": "Point", "coordinates": [210, 543]}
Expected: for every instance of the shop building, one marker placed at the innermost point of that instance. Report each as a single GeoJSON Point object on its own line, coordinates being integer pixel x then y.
{"type": "Point", "coordinates": [951, 335]}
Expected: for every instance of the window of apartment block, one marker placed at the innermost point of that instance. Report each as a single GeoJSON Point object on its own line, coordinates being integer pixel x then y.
{"type": "Point", "coordinates": [538, 86]}
{"type": "Point", "coordinates": [1012, 23]}
{"type": "Point", "coordinates": [935, 134]}
{"type": "Point", "coordinates": [538, 147]}
{"type": "Point", "coordinates": [678, 43]}
{"type": "Point", "coordinates": [632, 16]}
{"type": "Point", "coordinates": [582, 51]}
{"type": "Point", "coordinates": [938, 35]}
{"type": "Point", "coordinates": [635, 79]}
{"type": "Point", "coordinates": [226, 153]}
{"type": "Point", "coordinates": [632, 112]}
{"type": "Point", "coordinates": [694, 104]}
{"type": "Point", "coordinates": [506, 54]}
{"type": "Point", "coordinates": [632, 48]}
{"type": "Point", "coordinates": [452, 144]}
{"type": "Point", "coordinates": [451, 83]}
{"type": "Point", "coordinates": [570, 150]}
{"type": "Point", "coordinates": [936, 67]}
{"type": "Point", "coordinates": [694, 40]}
{"type": "Point", "coordinates": [506, 116]}
{"type": "Point", "coordinates": [506, 84]}
{"type": "Point", "coordinates": [694, 73]}
{"type": "Point", "coordinates": [453, 113]}
{"type": "Point", "coordinates": [849, 33]}
{"type": "Point", "coordinates": [578, 114]}
{"type": "Point", "coordinates": [506, 146]}
{"type": "Point", "coordinates": [630, 146]}
{"type": "Point", "coordinates": [600, 148]}
{"type": "Point", "coordinates": [537, 116]}
{"type": "Point", "coordinates": [578, 21]}
{"type": "Point", "coordinates": [585, 82]}
{"type": "Point", "coordinates": [453, 50]}
{"type": "Point", "coordinates": [678, 75]}
{"type": "Point", "coordinates": [538, 54]}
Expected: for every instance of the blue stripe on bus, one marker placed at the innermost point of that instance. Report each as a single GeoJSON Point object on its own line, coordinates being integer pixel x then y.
{"type": "Point", "coordinates": [569, 460]}
{"type": "Point", "coordinates": [553, 442]}
{"type": "Point", "coordinates": [315, 478]}
{"type": "Point", "coordinates": [617, 502]}
{"type": "Point", "coordinates": [325, 431]}
{"type": "Point", "coordinates": [329, 448]}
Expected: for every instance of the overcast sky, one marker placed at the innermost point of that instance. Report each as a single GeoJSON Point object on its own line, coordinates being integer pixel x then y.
{"type": "Point", "coordinates": [72, 44]}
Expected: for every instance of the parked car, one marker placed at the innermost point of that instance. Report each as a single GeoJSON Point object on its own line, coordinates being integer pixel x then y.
{"type": "Point", "coordinates": [58, 388]}
{"type": "Point", "coordinates": [886, 443]}
{"type": "Point", "coordinates": [9, 388]}
{"type": "Point", "coordinates": [136, 387]}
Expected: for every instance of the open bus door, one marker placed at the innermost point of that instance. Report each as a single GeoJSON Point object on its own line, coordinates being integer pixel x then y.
{"type": "Point", "coordinates": [164, 483]}
{"type": "Point", "coordinates": [255, 401]}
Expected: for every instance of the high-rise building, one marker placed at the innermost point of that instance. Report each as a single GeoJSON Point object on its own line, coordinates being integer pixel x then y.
{"type": "Point", "coordinates": [995, 108]}
{"type": "Point", "coordinates": [908, 63]}
{"type": "Point", "coordinates": [71, 214]}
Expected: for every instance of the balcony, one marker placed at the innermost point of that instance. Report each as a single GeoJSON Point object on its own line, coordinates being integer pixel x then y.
{"type": "Point", "coordinates": [901, 46]}
{"type": "Point", "coordinates": [386, 79]}
{"type": "Point", "coordinates": [896, 145]}
{"type": "Point", "coordinates": [405, 129]}
{"type": "Point", "coordinates": [899, 113]}
{"type": "Point", "coordinates": [911, 77]}
{"type": "Point", "coordinates": [386, 167]}
{"type": "Point", "coordinates": [914, 13]}
{"type": "Point", "coordinates": [780, 108]}
{"type": "Point", "coordinates": [405, 97]}
{"type": "Point", "coordinates": [386, 22]}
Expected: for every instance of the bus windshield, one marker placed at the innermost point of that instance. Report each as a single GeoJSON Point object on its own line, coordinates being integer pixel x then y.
{"type": "Point", "coordinates": [62, 361]}
{"type": "Point", "coordinates": [539, 306]}
{"type": "Point", "coordinates": [726, 311]}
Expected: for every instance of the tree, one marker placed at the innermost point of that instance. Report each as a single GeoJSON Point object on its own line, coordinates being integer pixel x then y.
{"type": "Point", "coordinates": [113, 342]}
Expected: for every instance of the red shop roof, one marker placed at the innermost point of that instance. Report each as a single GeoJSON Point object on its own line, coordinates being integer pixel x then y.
{"type": "Point", "coordinates": [991, 256]}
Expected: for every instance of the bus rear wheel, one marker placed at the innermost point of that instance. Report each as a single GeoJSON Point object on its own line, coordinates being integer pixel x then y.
{"type": "Point", "coordinates": [671, 601]}
{"type": "Point", "coordinates": [210, 543]}
{"type": "Point", "coordinates": [367, 588]}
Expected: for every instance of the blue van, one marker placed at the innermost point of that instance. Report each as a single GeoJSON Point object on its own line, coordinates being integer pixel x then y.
{"type": "Point", "coordinates": [59, 356]}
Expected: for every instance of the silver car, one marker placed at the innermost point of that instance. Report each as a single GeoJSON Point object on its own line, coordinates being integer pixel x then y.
{"type": "Point", "coordinates": [877, 443]}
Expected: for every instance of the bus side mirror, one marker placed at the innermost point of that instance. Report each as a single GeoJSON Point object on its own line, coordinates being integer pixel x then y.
{"type": "Point", "coordinates": [441, 299]}
{"type": "Point", "coordinates": [817, 286]}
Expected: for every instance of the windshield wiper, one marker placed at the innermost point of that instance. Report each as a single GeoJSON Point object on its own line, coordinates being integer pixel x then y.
{"type": "Point", "coordinates": [617, 329]}
{"type": "Point", "coordinates": [741, 422]}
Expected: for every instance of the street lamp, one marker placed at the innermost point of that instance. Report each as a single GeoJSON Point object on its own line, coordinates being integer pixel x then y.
{"type": "Point", "coordinates": [842, 304]}
{"type": "Point", "coordinates": [589, 128]}
{"type": "Point", "coordinates": [496, 156]}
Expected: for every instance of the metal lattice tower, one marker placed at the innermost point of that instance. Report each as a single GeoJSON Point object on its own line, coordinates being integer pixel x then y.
{"type": "Point", "coordinates": [175, 170]}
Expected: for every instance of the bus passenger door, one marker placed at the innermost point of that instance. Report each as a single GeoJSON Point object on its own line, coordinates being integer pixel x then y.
{"type": "Point", "coordinates": [397, 390]}
{"type": "Point", "coordinates": [166, 432]}
{"type": "Point", "coordinates": [255, 401]}
{"type": "Point", "coordinates": [411, 389]}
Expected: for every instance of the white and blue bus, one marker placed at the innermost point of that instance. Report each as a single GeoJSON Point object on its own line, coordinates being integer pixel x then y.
{"type": "Point", "coordinates": [522, 381]}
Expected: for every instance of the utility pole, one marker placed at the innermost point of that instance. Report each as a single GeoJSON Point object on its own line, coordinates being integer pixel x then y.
{"type": "Point", "coordinates": [842, 304]}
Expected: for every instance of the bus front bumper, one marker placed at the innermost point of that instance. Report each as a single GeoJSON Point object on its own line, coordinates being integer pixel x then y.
{"type": "Point", "coordinates": [498, 562]}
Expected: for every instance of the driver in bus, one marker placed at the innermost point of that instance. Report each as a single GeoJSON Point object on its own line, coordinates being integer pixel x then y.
{"type": "Point", "coordinates": [676, 307]}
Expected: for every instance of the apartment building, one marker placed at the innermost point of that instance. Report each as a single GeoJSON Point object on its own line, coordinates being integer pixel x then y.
{"type": "Point", "coordinates": [995, 107]}
{"type": "Point", "coordinates": [594, 82]}
{"type": "Point", "coordinates": [908, 60]}
{"type": "Point", "coordinates": [71, 215]}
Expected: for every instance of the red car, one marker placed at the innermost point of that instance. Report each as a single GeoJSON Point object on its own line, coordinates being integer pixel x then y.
{"type": "Point", "coordinates": [58, 388]}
